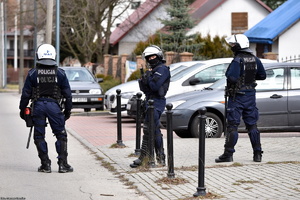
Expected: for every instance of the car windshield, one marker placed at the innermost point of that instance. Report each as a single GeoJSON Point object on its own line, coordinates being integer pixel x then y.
{"type": "Point", "coordinates": [178, 69]}
{"type": "Point", "coordinates": [79, 75]}
{"type": "Point", "coordinates": [183, 72]}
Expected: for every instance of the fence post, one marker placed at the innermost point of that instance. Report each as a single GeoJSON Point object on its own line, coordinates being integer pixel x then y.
{"type": "Point", "coordinates": [119, 121]}
{"type": "Point", "coordinates": [138, 124]}
{"type": "Point", "coordinates": [201, 189]}
{"type": "Point", "coordinates": [151, 133]}
{"type": "Point", "coordinates": [169, 113]}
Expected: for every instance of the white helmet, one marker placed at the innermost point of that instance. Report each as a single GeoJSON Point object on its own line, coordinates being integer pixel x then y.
{"type": "Point", "coordinates": [46, 54]}
{"type": "Point", "coordinates": [240, 39]}
{"type": "Point", "coordinates": [153, 50]}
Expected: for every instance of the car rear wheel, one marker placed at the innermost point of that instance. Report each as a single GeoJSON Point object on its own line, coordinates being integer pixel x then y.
{"type": "Point", "coordinates": [183, 134]}
{"type": "Point", "coordinates": [213, 126]}
{"type": "Point", "coordinates": [87, 109]}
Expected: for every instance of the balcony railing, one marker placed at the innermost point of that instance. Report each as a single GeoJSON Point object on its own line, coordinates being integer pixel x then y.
{"type": "Point", "coordinates": [27, 53]}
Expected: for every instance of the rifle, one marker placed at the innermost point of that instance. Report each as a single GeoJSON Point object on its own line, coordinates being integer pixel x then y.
{"type": "Point", "coordinates": [142, 72]}
{"type": "Point", "coordinates": [225, 111]}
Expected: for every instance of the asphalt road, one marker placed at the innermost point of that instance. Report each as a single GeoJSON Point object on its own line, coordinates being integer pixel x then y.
{"type": "Point", "coordinates": [18, 166]}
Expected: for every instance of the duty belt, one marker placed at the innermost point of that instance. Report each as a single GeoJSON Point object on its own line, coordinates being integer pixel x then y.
{"type": "Point", "coordinates": [46, 98]}
{"type": "Point", "coordinates": [248, 87]}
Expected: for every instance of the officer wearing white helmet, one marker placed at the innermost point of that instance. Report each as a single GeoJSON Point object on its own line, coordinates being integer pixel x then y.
{"type": "Point", "coordinates": [47, 90]}
{"type": "Point", "coordinates": [155, 85]}
{"type": "Point", "coordinates": [241, 75]}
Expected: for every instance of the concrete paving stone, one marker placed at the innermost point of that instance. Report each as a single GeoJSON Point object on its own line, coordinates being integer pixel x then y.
{"type": "Point", "coordinates": [276, 177]}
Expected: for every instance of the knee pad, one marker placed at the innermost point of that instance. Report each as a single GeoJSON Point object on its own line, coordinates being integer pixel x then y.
{"type": "Point", "coordinates": [61, 142]}
{"type": "Point", "coordinates": [39, 141]}
{"type": "Point", "coordinates": [251, 127]}
{"type": "Point", "coordinates": [231, 138]}
{"type": "Point", "coordinates": [232, 128]}
{"type": "Point", "coordinates": [62, 136]}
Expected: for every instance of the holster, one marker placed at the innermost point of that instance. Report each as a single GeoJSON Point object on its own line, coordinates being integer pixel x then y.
{"type": "Point", "coordinates": [28, 117]}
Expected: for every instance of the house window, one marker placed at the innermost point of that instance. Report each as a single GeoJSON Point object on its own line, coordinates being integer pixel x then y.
{"type": "Point", "coordinates": [262, 48]}
{"type": "Point", "coordinates": [239, 22]}
{"type": "Point", "coordinates": [135, 5]}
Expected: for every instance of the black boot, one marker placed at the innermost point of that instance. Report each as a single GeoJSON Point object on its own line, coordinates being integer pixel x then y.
{"type": "Point", "coordinates": [139, 161]}
{"type": "Point", "coordinates": [136, 163]}
{"type": "Point", "coordinates": [42, 148]}
{"type": "Point", "coordinates": [160, 157]}
{"type": "Point", "coordinates": [61, 148]}
{"type": "Point", "coordinates": [45, 167]}
{"type": "Point", "coordinates": [63, 166]}
{"type": "Point", "coordinates": [257, 156]}
{"type": "Point", "coordinates": [225, 157]}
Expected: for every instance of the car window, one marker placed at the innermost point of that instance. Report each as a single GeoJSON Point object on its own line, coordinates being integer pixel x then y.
{"type": "Point", "coordinates": [182, 73]}
{"type": "Point", "coordinates": [212, 74]}
{"type": "Point", "coordinates": [273, 81]}
{"type": "Point", "coordinates": [295, 78]}
{"type": "Point", "coordinates": [79, 75]}
{"type": "Point", "coordinates": [220, 84]}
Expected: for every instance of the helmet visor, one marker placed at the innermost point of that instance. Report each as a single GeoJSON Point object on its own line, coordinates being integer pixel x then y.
{"type": "Point", "coordinates": [49, 62]}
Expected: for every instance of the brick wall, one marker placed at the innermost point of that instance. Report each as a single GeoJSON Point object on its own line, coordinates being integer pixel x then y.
{"type": "Point", "coordinates": [119, 62]}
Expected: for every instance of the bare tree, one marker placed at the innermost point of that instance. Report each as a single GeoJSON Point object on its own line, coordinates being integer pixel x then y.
{"type": "Point", "coordinates": [86, 27]}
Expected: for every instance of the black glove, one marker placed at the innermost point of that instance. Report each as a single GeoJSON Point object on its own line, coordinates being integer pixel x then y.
{"type": "Point", "coordinates": [22, 114]}
{"type": "Point", "coordinates": [67, 114]}
{"type": "Point", "coordinates": [145, 77]}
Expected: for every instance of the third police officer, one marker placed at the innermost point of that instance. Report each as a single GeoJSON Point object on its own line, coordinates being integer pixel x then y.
{"type": "Point", "coordinates": [154, 84]}
{"type": "Point", "coordinates": [47, 88]}
{"type": "Point", "coordinates": [241, 76]}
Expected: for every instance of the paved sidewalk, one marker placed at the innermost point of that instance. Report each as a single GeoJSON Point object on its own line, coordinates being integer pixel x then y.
{"type": "Point", "coordinates": [276, 177]}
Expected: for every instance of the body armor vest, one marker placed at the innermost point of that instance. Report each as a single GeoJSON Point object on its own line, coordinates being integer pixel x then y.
{"type": "Point", "coordinates": [47, 83]}
{"type": "Point", "coordinates": [246, 81]}
{"type": "Point", "coordinates": [249, 68]}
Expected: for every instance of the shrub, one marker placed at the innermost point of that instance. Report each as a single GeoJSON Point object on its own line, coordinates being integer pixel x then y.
{"type": "Point", "coordinates": [108, 82]}
{"type": "Point", "coordinates": [135, 75]}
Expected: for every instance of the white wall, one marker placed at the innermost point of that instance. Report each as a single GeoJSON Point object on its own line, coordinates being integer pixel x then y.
{"type": "Point", "coordinates": [218, 22]}
{"type": "Point", "coordinates": [289, 42]}
{"type": "Point", "coordinates": [118, 10]}
{"type": "Point", "coordinates": [144, 29]}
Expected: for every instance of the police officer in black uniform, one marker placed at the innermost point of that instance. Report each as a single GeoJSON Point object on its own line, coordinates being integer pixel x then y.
{"type": "Point", "coordinates": [241, 75]}
{"type": "Point", "coordinates": [48, 89]}
{"type": "Point", "coordinates": [154, 84]}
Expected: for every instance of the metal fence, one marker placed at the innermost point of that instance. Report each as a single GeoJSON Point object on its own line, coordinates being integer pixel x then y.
{"type": "Point", "coordinates": [294, 58]}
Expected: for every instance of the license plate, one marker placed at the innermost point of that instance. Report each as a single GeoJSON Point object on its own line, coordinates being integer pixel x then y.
{"type": "Point", "coordinates": [79, 99]}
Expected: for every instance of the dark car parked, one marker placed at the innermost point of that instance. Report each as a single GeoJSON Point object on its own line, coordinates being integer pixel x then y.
{"type": "Point", "coordinates": [277, 100]}
{"type": "Point", "coordinates": [86, 91]}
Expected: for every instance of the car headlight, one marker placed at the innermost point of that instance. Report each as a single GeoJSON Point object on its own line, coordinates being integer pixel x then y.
{"type": "Point", "coordinates": [127, 95]}
{"type": "Point", "coordinates": [95, 91]}
{"type": "Point", "coordinates": [177, 103]}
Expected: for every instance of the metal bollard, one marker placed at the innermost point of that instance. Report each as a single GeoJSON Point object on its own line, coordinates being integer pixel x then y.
{"type": "Point", "coordinates": [151, 133]}
{"type": "Point", "coordinates": [138, 124]}
{"type": "Point", "coordinates": [169, 113]}
{"type": "Point", "coordinates": [201, 189]}
{"type": "Point", "coordinates": [119, 120]}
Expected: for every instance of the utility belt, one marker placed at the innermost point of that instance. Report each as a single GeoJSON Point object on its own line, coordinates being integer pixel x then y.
{"type": "Point", "coordinates": [47, 98]}
{"type": "Point", "coordinates": [248, 87]}
{"type": "Point", "coordinates": [156, 97]}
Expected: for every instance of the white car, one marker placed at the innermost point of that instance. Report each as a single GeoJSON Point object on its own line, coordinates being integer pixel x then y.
{"type": "Point", "coordinates": [201, 75]}
{"type": "Point", "coordinates": [130, 88]}
{"type": "Point", "coordinates": [195, 77]}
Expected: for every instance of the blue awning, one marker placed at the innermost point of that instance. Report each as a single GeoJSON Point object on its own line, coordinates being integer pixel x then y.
{"type": "Point", "coordinates": [268, 29]}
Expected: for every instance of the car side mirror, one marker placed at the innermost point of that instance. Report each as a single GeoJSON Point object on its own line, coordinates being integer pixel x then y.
{"type": "Point", "coordinates": [194, 81]}
{"type": "Point", "coordinates": [99, 80]}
